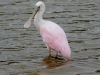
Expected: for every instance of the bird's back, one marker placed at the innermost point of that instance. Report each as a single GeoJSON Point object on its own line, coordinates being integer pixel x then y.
{"type": "Point", "coordinates": [52, 28]}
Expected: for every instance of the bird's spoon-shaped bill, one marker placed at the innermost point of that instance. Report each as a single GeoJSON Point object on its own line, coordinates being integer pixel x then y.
{"type": "Point", "coordinates": [28, 23]}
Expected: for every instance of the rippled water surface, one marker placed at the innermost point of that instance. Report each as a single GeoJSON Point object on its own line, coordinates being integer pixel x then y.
{"type": "Point", "coordinates": [22, 51]}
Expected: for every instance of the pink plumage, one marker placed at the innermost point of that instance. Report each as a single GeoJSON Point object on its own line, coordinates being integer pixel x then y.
{"type": "Point", "coordinates": [52, 34]}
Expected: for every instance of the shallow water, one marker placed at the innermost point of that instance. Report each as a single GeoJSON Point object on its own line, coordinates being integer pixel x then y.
{"type": "Point", "coordinates": [22, 51]}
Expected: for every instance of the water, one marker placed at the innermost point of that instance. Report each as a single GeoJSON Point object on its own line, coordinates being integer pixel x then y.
{"type": "Point", "coordinates": [22, 51]}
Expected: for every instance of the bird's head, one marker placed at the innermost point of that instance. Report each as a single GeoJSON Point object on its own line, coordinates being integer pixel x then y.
{"type": "Point", "coordinates": [40, 6]}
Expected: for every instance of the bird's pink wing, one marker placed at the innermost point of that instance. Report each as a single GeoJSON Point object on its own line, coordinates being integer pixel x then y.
{"type": "Point", "coordinates": [52, 37]}
{"type": "Point", "coordinates": [47, 37]}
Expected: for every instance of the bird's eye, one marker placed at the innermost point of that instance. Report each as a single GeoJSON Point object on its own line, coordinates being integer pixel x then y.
{"type": "Point", "coordinates": [38, 7]}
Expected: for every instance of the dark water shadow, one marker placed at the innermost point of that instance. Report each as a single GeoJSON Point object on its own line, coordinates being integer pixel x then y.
{"type": "Point", "coordinates": [54, 62]}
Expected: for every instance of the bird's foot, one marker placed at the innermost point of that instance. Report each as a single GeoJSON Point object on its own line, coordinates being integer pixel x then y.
{"type": "Point", "coordinates": [49, 55]}
{"type": "Point", "coordinates": [56, 57]}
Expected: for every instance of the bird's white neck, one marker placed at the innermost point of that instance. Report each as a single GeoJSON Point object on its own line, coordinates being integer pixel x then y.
{"type": "Point", "coordinates": [38, 20]}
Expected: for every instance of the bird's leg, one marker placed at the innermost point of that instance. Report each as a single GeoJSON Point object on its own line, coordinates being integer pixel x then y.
{"type": "Point", "coordinates": [49, 49]}
{"type": "Point", "coordinates": [56, 53]}
{"type": "Point", "coordinates": [49, 52]}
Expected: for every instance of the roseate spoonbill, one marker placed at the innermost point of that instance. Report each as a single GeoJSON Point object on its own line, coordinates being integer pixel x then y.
{"type": "Point", "coordinates": [52, 34]}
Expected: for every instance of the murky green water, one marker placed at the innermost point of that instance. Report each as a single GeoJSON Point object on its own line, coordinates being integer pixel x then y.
{"type": "Point", "coordinates": [22, 51]}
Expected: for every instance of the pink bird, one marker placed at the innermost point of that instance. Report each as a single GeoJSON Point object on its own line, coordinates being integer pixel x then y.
{"type": "Point", "coordinates": [52, 34]}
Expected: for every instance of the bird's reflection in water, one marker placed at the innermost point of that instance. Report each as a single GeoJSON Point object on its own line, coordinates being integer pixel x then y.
{"type": "Point", "coordinates": [55, 62]}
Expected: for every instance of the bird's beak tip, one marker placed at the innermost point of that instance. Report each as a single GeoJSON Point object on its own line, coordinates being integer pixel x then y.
{"type": "Point", "coordinates": [26, 27]}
